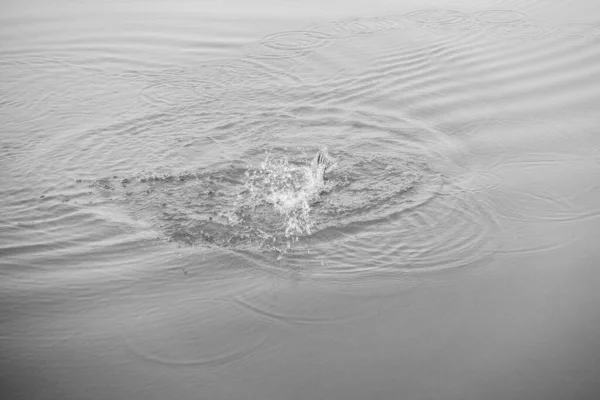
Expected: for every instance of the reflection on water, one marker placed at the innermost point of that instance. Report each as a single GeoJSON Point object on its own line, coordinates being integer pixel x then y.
{"type": "Point", "coordinates": [164, 235]}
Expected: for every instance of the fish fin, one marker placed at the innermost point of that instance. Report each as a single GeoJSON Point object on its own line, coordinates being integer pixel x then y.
{"type": "Point", "coordinates": [323, 161]}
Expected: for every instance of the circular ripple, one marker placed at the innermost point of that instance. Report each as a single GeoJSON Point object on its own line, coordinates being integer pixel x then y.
{"type": "Point", "coordinates": [528, 29]}
{"type": "Point", "coordinates": [527, 238]}
{"type": "Point", "coordinates": [371, 187]}
{"type": "Point", "coordinates": [288, 44]}
{"type": "Point", "coordinates": [444, 20]}
{"type": "Point", "coordinates": [446, 232]}
{"type": "Point", "coordinates": [501, 16]}
{"type": "Point", "coordinates": [195, 332]}
{"type": "Point", "coordinates": [576, 35]}
{"type": "Point", "coordinates": [449, 232]}
{"type": "Point", "coordinates": [297, 307]}
{"type": "Point", "coordinates": [366, 189]}
{"type": "Point", "coordinates": [205, 207]}
{"type": "Point", "coordinates": [397, 213]}
{"type": "Point", "coordinates": [540, 188]}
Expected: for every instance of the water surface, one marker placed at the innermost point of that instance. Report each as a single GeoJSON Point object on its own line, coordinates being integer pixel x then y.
{"type": "Point", "coordinates": [162, 237]}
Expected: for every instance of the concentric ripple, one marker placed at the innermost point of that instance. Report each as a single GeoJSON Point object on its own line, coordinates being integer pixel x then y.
{"type": "Point", "coordinates": [446, 232]}
{"type": "Point", "coordinates": [501, 16]}
{"type": "Point", "coordinates": [449, 232]}
{"type": "Point", "coordinates": [226, 207]}
{"type": "Point", "coordinates": [371, 187]}
{"type": "Point", "coordinates": [445, 20]}
{"type": "Point", "coordinates": [288, 44]}
{"type": "Point", "coordinates": [201, 332]}
{"type": "Point", "coordinates": [551, 194]}
{"type": "Point", "coordinates": [528, 29]}
{"type": "Point", "coordinates": [576, 35]}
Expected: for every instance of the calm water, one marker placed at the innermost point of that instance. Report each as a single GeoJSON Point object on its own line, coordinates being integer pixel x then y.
{"type": "Point", "coordinates": [161, 236]}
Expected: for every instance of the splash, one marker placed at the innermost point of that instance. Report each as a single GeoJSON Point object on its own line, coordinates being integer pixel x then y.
{"type": "Point", "coordinates": [287, 189]}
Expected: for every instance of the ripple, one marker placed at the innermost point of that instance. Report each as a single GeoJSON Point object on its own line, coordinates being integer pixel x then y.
{"type": "Point", "coordinates": [204, 207]}
{"type": "Point", "coordinates": [369, 192]}
{"type": "Point", "coordinates": [296, 306]}
{"type": "Point", "coordinates": [403, 219]}
{"type": "Point", "coordinates": [576, 35]}
{"type": "Point", "coordinates": [444, 20]}
{"type": "Point", "coordinates": [404, 196]}
{"type": "Point", "coordinates": [501, 16]}
{"type": "Point", "coordinates": [528, 29]}
{"type": "Point", "coordinates": [288, 44]}
{"type": "Point", "coordinates": [552, 194]}
{"type": "Point", "coordinates": [446, 232]}
{"type": "Point", "coordinates": [371, 187]}
{"type": "Point", "coordinates": [196, 332]}
{"type": "Point", "coordinates": [526, 238]}
{"type": "Point", "coordinates": [449, 232]}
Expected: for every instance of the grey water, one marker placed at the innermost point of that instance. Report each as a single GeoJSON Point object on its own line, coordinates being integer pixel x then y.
{"type": "Point", "coordinates": [163, 234]}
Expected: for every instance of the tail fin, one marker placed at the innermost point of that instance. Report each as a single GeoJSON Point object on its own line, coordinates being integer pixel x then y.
{"type": "Point", "coordinates": [323, 161]}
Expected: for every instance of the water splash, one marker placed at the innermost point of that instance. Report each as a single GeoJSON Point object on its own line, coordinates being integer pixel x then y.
{"type": "Point", "coordinates": [287, 188]}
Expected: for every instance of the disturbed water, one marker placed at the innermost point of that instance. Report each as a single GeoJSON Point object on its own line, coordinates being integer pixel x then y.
{"type": "Point", "coordinates": [163, 233]}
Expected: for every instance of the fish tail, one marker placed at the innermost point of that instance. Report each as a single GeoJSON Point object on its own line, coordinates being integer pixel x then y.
{"type": "Point", "coordinates": [324, 161]}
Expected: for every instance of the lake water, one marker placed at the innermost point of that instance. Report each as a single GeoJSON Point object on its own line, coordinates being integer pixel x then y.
{"type": "Point", "coordinates": [162, 235]}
